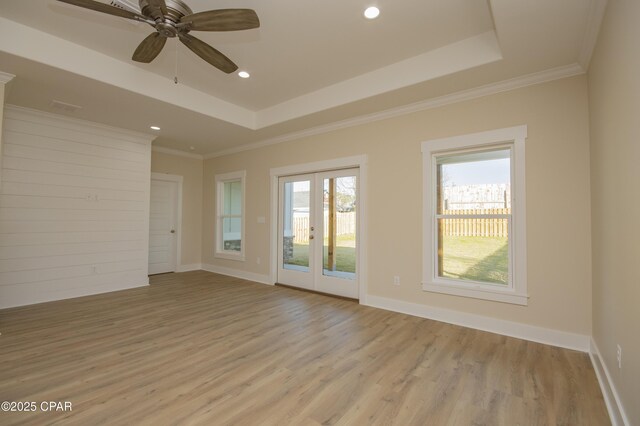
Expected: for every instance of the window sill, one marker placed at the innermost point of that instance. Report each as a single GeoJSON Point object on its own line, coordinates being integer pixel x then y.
{"type": "Point", "coordinates": [478, 292]}
{"type": "Point", "coordinates": [229, 256]}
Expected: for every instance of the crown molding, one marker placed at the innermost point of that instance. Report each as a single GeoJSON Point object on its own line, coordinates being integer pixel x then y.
{"type": "Point", "coordinates": [597, 10]}
{"type": "Point", "coordinates": [462, 55]}
{"type": "Point", "coordinates": [176, 152]}
{"type": "Point", "coordinates": [465, 95]}
{"type": "Point", "coordinates": [5, 77]}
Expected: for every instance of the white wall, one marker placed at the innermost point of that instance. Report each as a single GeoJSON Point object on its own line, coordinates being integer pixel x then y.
{"type": "Point", "coordinates": [74, 208]}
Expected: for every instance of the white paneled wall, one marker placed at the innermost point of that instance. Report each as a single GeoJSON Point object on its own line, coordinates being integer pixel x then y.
{"type": "Point", "coordinates": [74, 208]}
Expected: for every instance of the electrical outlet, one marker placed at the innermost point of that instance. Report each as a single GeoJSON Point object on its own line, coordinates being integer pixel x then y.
{"type": "Point", "coordinates": [619, 357]}
{"type": "Point", "coordinates": [396, 280]}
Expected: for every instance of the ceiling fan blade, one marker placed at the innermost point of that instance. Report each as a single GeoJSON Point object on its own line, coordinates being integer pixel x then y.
{"type": "Point", "coordinates": [208, 53]}
{"type": "Point", "coordinates": [149, 48]}
{"type": "Point", "coordinates": [105, 8]}
{"type": "Point", "coordinates": [222, 20]}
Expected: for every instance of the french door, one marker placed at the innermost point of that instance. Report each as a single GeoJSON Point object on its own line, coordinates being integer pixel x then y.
{"type": "Point", "coordinates": [317, 229]}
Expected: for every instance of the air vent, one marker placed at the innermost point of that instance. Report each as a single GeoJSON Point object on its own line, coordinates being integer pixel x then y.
{"type": "Point", "coordinates": [131, 6]}
{"type": "Point", "coordinates": [63, 106]}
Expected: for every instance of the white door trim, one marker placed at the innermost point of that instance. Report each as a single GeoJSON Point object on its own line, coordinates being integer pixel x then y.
{"type": "Point", "coordinates": [359, 161]}
{"type": "Point", "coordinates": [179, 180]}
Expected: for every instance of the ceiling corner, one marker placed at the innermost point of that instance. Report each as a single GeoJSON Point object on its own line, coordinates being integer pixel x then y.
{"type": "Point", "coordinates": [597, 9]}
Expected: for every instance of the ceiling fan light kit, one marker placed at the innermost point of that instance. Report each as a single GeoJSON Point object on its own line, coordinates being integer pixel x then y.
{"type": "Point", "coordinates": [173, 18]}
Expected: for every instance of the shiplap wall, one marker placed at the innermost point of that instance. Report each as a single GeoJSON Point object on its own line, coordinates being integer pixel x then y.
{"type": "Point", "coordinates": [74, 208]}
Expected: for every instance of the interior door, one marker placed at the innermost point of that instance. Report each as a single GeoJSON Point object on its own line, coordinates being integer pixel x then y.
{"type": "Point", "coordinates": [162, 227]}
{"type": "Point", "coordinates": [317, 228]}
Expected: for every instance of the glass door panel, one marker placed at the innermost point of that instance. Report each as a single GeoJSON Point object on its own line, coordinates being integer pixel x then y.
{"type": "Point", "coordinates": [295, 248]}
{"type": "Point", "coordinates": [337, 252]}
{"type": "Point", "coordinates": [339, 227]}
{"type": "Point", "coordinates": [296, 206]}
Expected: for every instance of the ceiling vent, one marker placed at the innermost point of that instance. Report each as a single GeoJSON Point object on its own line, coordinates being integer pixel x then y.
{"type": "Point", "coordinates": [131, 6]}
{"type": "Point", "coordinates": [63, 106]}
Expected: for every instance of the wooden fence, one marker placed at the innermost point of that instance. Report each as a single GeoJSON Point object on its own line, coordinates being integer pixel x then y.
{"type": "Point", "coordinates": [345, 224]}
{"type": "Point", "coordinates": [464, 227]}
{"type": "Point", "coordinates": [454, 227]}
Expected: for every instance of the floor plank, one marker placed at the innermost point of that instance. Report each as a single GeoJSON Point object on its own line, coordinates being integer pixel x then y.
{"type": "Point", "coordinates": [201, 348]}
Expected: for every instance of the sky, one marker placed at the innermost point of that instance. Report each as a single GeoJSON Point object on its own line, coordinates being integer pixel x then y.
{"type": "Point", "coordinates": [477, 172]}
{"type": "Point", "coordinates": [471, 173]}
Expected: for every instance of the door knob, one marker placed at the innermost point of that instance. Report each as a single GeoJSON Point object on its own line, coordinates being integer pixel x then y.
{"type": "Point", "coordinates": [311, 237]}
{"type": "Point", "coordinates": [173, 231]}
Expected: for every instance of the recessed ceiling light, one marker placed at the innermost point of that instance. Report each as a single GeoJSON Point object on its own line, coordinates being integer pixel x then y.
{"type": "Point", "coordinates": [371, 12]}
{"type": "Point", "coordinates": [244, 74]}
{"type": "Point", "coordinates": [155, 128]}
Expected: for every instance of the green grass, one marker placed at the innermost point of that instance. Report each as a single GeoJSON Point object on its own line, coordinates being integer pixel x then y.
{"type": "Point", "coordinates": [476, 258]}
{"type": "Point", "coordinates": [482, 259]}
{"type": "Point", "coordinates": [345, 254]}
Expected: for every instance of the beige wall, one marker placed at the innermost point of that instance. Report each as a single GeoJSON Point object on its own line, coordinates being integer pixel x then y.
{"type": "Point", "coordinates": [558, 212]}
{"type": "Point", "coordinates": [2, 91]}
{"type": "Point", "coordinates": [614, 95]}
{"type": "Point", "coordinates": [191, 170]}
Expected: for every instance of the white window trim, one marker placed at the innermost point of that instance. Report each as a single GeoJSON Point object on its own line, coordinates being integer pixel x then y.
{"type": "Point", "coordinates": [517, 293]}
{"type": "Point", "coordinates": [220, 180]}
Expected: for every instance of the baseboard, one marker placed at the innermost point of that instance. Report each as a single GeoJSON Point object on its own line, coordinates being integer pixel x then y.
{"type": "Point", "coordinates": [74, 294]}
{"type": "Point", "coordinates": [187, 268]}
{"type": "Point", "coordinates": [237, 273]}
{"type": "Point", "coordinates": [547, 336]}
{"type": "Point", "coordinates": [614, 404]}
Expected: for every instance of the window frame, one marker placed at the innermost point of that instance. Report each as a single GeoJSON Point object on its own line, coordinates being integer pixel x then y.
{"type": "Point", "coordinates": [220, 180]}
{"type": "Point", "coordinates": [516, 290]}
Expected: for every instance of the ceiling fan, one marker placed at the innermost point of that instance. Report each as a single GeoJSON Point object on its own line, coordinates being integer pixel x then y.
{"type": "Point", "coordinates": [173, 18]}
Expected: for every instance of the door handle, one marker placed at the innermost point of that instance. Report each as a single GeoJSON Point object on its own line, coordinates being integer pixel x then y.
{"type": "Point", "coordinates": [311, 237]}
{"type": "Point", "coordinates": [173, 231]}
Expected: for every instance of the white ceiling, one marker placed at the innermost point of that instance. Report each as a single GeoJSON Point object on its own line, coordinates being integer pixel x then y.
{"type": "Point", "coordinates": [311, 63]}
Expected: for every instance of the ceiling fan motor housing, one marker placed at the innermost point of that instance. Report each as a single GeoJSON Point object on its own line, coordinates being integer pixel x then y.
{"type": "Point", "coordinates": [176, 9]}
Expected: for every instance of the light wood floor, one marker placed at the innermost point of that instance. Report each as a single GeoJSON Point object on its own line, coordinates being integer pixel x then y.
{"type": "Point", "coordinates": [200, 348]}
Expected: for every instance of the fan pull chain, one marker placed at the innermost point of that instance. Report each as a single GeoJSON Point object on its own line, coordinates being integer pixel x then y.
{"type": "Point", "coordinates": [175, 78]}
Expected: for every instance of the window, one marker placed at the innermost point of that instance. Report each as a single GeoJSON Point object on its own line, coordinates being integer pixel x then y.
{"type": "Point", "coordinates": [474, 216]}
{"type": "Point", "coordinates": [230, 215]}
